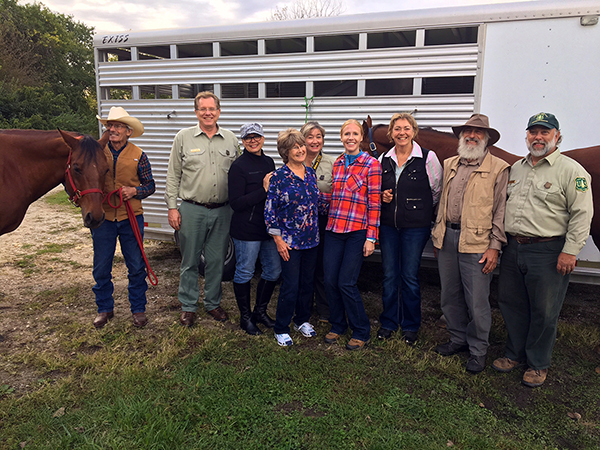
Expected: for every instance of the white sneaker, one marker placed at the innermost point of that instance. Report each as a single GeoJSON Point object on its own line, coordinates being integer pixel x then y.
{"type": "Point", "coordinates": [306, 329]}
{"type": "Point", "coordinates": [284, 339]}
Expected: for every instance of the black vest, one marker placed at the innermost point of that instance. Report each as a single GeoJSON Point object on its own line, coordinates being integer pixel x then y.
{"type": "Point", "coordinates": [412, 205]}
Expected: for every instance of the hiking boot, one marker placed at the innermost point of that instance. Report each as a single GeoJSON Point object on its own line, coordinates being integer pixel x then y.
{"type": "Point", "coordinates": [331, 338]}
{"type": "Point", "coordinates": [534, 378]}
{"type": "Point", "coordinates": [505, 364]}
{"type": "Point", "coordinates": [356, 344]}
{"type": "Point", "coordinates": [450, 348]}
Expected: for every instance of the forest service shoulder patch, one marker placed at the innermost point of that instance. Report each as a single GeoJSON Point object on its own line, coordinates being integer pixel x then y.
{"type": "Point", "coordinates": [581, 184]}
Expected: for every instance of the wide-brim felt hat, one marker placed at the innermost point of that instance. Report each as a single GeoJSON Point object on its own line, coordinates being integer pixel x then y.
{"type": "Point", "coordinates": [118, 114]}
{"type": "Point", "coordinates": [479, 121]}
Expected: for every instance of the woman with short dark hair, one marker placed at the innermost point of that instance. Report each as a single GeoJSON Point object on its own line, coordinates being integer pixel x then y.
{"type": "Point", "coordinates": [292, 219]}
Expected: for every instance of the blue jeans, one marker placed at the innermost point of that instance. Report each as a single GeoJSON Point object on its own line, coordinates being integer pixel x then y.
{"type": "Point", "coordinates": [343, 259]}
{"type": "Point", "coordinates": [401, 250]}
{"type": "Point", "coordinates": [105, 241]}
{"type": "Point", "coordinates": [246, 254]}
{"type": "Point", "coordinates": [296, 291]}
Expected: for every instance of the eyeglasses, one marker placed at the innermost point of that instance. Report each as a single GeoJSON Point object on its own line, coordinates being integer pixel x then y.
{"type": "Point", "coordinates": [116, 126]}
{"type": "Point", "coordinates": [254, 137]}
{"type": "Point", "coordinates": [203, 110]}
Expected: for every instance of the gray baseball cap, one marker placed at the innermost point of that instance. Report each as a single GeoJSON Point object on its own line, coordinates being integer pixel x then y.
{"type": "Point", "coordinates": [251, 128]}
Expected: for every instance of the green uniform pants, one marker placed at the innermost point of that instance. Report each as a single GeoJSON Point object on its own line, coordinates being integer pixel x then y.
{"type": "Point", "coordinates": [531, 295]}
{"type": "Point", "coordinates": [208, 230]}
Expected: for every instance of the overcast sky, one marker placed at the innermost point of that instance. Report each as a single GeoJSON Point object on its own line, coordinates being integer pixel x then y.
{"type": "Point", "coordinates": [110, 16]}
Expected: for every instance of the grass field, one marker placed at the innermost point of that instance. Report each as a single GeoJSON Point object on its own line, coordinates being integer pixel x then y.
{"type": "Point", "coordinates": [214, 387]}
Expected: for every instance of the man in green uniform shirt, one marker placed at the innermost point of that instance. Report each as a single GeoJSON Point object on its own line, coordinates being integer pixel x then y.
{"type": "Point", "coordinates": [548, 215]}
{"type": "Point", "coordinates": [197, 174]}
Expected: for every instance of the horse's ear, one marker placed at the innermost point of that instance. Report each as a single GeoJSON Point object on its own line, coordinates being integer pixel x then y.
{"type": "Point", "coordinates": [365, 128]}
{"type": "Point", "coordinates": [71, 141]}
{"type": "Point", "coordinates": [369, 121]}
{"type": "Point", "coordinates": [103, 141]}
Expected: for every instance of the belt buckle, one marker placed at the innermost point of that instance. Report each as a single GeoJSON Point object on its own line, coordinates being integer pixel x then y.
{"type": "Point", "coordinates": [523, 240]}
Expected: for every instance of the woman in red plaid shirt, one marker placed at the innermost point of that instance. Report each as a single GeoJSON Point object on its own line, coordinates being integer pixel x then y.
{"type": "Point", "coordinates": [351, 234]}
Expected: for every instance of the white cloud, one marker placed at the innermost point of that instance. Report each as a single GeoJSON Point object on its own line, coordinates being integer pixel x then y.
{"type": "Point", "coordinates": [138, 15]}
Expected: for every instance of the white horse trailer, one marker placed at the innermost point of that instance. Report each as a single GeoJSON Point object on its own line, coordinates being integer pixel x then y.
{"type": "Point", "coordinates": [508, 61]}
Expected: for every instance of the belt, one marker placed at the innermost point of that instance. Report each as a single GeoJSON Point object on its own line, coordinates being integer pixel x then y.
{"type": "Point", "coordinates": [207, 205]}
{"type": "Point", "coordinates": [454, 226]}
{"type": "Point", "coordinates": [534, 240]}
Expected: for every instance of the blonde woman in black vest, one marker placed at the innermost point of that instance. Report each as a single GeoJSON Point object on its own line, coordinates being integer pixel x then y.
{"type": "Point", "coordinates": [410, 188]}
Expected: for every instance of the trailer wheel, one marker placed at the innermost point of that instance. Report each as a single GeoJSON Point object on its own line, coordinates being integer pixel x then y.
{"type": "Point", "coordinates": [228, 266]}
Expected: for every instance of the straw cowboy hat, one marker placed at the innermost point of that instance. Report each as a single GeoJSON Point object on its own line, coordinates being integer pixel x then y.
{"type": "Point", "coordinates": [479, 121]}
{"type": "Point", "coordinates": [118, 114]}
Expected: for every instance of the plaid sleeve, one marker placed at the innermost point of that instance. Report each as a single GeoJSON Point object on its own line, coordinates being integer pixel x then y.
{"type": "Point", "coordinates": [373, 199]}
{"type": "Point", "coordinates": [147, 187]}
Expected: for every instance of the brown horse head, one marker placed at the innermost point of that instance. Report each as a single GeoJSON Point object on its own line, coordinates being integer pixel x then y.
{"type": "Point", "coordinates": [375, 141]}
{"type": "Point", "coordinates": [85, 175]}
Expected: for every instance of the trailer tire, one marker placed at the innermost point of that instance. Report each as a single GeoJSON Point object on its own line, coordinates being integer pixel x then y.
{"type": "Point", "coordinates": [228, 266]}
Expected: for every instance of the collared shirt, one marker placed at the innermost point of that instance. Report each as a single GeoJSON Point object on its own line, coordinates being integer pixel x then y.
{"type": "Point", "coordinates": [324, 172]}
{"type": "Point", "coordinates": [144, 172]}
{"type": "Point", "coordinates": [355, 197]}
{"type": "Point", "coordinates": [456, 195]}
{"type": "Point", "coordinates": [552, 198]}
{"type": "Point", "coordinates": [199, 165]}
{"type": "Point", "coordinates": [291, 208]}
{"type": "Point", "coordinates": [432, 166]}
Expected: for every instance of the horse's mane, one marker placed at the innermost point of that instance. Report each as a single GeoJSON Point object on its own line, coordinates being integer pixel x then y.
{"type": "Point", "coordinates": [90, 148]}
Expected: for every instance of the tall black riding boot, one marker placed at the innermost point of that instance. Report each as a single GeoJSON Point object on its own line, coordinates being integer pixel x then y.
{"type": "Point", "coordinates": [242, 295]}
{"type": "Point", "coordinates": [264, 291]}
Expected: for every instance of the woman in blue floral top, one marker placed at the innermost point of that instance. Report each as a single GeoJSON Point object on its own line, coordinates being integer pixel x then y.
{"type": "Point", "coordinates": [292, 219]}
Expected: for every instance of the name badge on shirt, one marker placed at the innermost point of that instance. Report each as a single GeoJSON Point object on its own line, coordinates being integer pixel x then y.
{"type": "Point", "coordinates": [194, 150]}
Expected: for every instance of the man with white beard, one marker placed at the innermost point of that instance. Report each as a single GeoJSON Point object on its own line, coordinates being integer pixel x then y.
{"type": "Point", "coordinates": [468, 235]}
{"type": "Point", "coordinates": [548, 215]}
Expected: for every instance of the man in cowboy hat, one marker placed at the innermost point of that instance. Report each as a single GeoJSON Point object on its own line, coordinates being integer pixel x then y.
{"type": "Point", "coordinates": [129, 171]}
{"type": "Point", "coordinates": [548, 215]}
{"type": "Point", "coordinates": [468, 235]}
{"type": "Point", "coordinates": [198, 166]}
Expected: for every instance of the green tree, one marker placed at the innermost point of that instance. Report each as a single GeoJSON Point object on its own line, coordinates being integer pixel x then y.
{"type": "Point", "coordinates": [46, 70]}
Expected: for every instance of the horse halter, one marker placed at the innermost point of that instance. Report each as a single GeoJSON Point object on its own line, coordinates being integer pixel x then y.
{"type": "Point", "coordinates": [77, 194]}
{"type": "Point", "coordinates": [372, 145]}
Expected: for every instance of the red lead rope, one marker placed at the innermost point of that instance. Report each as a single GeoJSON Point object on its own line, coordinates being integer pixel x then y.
{"type": "Point", "coordinates": [136, 230]}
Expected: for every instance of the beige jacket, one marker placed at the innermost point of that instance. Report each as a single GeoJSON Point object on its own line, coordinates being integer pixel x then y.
{"type": "Point", "coordinates": [478, 205]}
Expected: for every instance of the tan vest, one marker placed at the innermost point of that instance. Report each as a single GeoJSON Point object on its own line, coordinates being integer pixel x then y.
{"type": "Point", "coordinates": [476, 216]}
{"type": "Point", "coordinates": [126, 175]}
